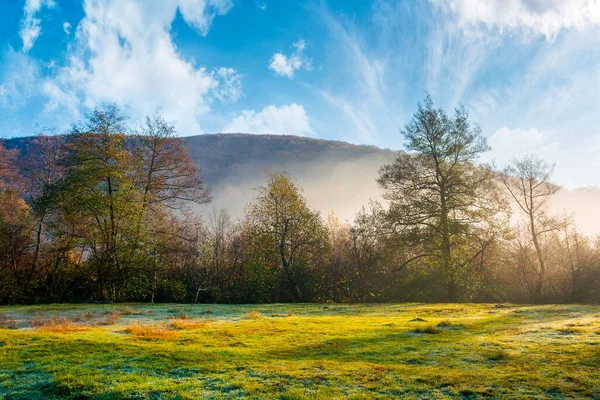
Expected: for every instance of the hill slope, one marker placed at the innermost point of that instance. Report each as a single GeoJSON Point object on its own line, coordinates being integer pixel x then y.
{"type": "Point", "coordinates": [336, 175]}
{"type": "Point", "coordinates": [223, 156]}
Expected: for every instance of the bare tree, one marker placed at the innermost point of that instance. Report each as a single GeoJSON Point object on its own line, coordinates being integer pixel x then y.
{"type": "Point", "coordinates": [528, 180]}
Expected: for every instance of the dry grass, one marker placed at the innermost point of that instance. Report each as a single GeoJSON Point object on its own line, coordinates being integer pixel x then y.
{"type": "Point", "coordinates": [253, 315]}
{"type": "Point", "coordinates": [187, 323]}
{"type": "Point", "coordinates": [108, 319]}
{"type": "Point", "coordinates": [152, 332]}
{"type": "Point", "coordinates": [80, 322]}
{"type": "Point", "coordinates": [83, 317]}
{"type": "Point", "coordinates": [7, 323]}
{"type": "Point", "coordinates": [58, 325]}
{"type": "Point", "coordinates": [130, 311]}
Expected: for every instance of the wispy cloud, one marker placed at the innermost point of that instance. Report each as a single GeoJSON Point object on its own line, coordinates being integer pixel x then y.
{"type": "Point", "coordinates": [31, 24]}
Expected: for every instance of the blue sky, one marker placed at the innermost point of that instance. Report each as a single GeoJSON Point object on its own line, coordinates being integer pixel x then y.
{"type": "Point", "coordinates": [527, 70]}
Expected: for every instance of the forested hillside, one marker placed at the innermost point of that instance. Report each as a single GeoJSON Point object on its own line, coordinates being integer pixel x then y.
{"type": "Point", "coordinates": [223, 156]}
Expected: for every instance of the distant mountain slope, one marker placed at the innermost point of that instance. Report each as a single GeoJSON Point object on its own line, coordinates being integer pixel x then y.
{"type": "Point", "coordinates": [223, 156]}
{"type": "Point", "coordinates": [336, 175]}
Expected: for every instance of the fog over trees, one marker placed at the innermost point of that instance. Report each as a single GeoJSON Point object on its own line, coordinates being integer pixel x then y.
{"type": "Point", "coordinates": [105, 213]}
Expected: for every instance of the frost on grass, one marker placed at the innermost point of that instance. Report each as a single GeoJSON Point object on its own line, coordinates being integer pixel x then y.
{"type": "Point", "coordinates": [356, 351]}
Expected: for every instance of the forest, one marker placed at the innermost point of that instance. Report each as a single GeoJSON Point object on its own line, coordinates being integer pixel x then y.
{"type": "Point", "coordinates": [104, 213]}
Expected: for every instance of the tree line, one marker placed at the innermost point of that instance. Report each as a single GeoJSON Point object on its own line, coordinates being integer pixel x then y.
{"type": "Point", "coordinates": [104, 213]}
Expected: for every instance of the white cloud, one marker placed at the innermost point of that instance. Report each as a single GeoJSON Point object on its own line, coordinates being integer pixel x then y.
{"type": "Point", "coordinates": [200, 13]}
{"type": "Point", "coordinates": [289, 119]}
{"type": "Point", "coordinates": [539, 17]}
{"type": "Point", "coordinates": [67, 28]}
{"type": "Point", "coordinates": [124, 53]}
{"type": "Point", "coordinates": [287, 66]}
{"type": "Point", "coordinates": [30, 25]}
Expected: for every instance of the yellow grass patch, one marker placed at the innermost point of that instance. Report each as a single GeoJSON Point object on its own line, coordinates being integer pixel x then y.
{"type": "Point", "coordinates": [58, 325]}
{"type": "Point", "coordinates": [187, 323]}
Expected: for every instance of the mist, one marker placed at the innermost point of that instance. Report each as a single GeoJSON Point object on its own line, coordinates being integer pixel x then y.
{"type": "Point", "coordinates": [341, 186]}
{"type": "Point", "coordinates": [345, 186]}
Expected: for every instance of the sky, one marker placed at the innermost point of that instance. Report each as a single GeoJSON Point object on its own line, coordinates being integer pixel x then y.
{"type": "Point", "coordinates": [528, 71]}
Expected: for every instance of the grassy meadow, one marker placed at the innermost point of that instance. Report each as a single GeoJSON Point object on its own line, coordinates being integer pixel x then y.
{"type": "Point", "coordinates": [305, 351]}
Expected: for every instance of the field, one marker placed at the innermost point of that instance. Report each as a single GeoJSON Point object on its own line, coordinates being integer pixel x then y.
{"type": "Point", "coordinates": [299, 351]}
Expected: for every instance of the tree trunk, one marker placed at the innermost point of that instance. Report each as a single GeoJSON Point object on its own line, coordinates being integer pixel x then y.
{"type": "Point", "coordinates": [452, 292]}
{"type": "Point", "coordinates": [538, 251]}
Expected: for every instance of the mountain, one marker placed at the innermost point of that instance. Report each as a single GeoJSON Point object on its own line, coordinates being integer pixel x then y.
{"type": "Point", "coordinates": [335, 175]}
{"type": "Point", "coordinates": [224, 156]}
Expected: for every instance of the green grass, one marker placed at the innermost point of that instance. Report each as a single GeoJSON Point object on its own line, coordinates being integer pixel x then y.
{"type": "Point", "coordinates": [299, 351]}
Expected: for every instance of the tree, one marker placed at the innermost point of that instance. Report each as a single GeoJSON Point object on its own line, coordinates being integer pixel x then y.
{"type": "Point", "coordinates": [8, 170]}
{"type": "Point", "coordinates": [439, 198]}
{"type": "Point", "coordinates": [43, 171]}
{"type": "Point", "coordinates": [15, 231]}
{"type": "Point", "coordinates": [166, 174]}
{"type": "Point", "coordinates": [281, 221]}
{"type": "Point", "coordinates": [165, 178]}
{"type": "Point", "coordinates": [528, 181]}
{"type": "Point", "coordinates": [100, 188]}
{"type": "Point", "coordinates": [580, 260]}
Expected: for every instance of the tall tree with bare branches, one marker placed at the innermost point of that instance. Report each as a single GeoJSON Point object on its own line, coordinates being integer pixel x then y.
{"type": "Point", "coordinates": [528, 180]}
